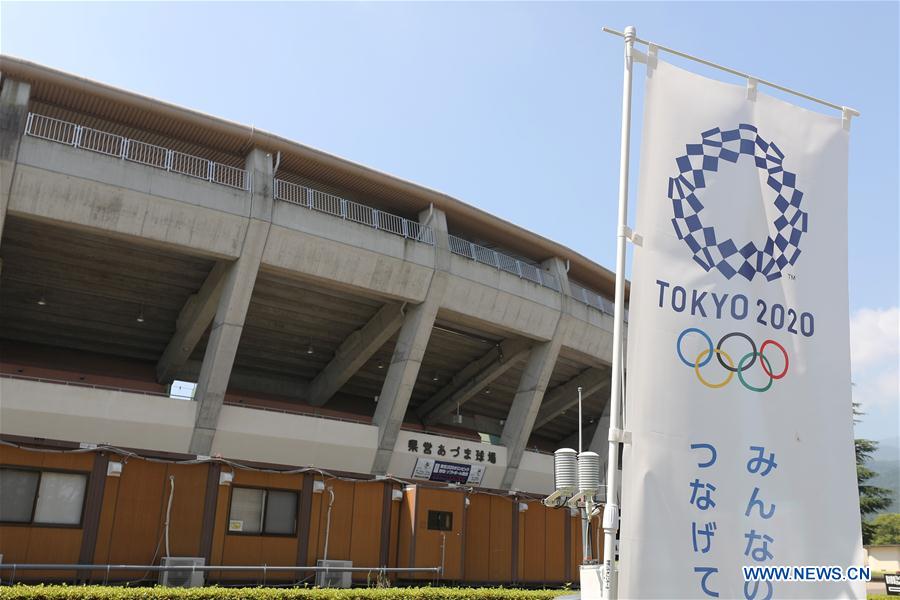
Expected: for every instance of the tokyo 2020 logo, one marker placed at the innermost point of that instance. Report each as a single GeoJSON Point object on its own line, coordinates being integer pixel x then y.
{"type": "Point", "coordinates": [729, 364]}
{"type": "Point", "coordinates": [767, 257]}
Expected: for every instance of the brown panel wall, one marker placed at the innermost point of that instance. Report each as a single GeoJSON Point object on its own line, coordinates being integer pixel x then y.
{"type": "Point", "coordinates": [365, 530]}
{"type": "Point", "coordinates": [132, 521]}
{"type": "Point", "coordinates": [244, 549]}
{"type": "Point", "coordinates": [533, 542]}
{"type": "Point", "coordinates": [341, 520]}
{"type": "Point", "coordinates": [555, 539]}
{"type": "Point", "coordinates": [479, 548]}
{"type": "Point", "coordinates": [427, 543]}
{"type": "Point", "coordinates": [41, 543]}
{"type": "Point", "coordinates": [478, 538]}
{"type": "Point", "coordinates": [500, 552]}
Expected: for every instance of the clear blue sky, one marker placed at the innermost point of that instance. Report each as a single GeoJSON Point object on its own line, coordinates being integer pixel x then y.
{"type": "Point", "coordinates": [511, 107]}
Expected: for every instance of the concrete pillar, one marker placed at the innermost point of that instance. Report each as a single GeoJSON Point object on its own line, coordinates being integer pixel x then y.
{"type": "Point", "coordinates": [195, 316]}
{"type": "Point", "coordinates": [237, 289]}
{"type": "Point", "coordinates": [472, 379]}
{"type": "Point", "coordinates": [13, 116]}
{"type": "Point", "coordinates": [410, 349]}
{"type": "Point", "coordinates": [532, 385]}
{"type": "Point", "coordinates": [354, 352]}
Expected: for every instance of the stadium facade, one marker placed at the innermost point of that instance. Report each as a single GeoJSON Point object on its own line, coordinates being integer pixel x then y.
{"type": "Point", "coordinates": [381, 371]}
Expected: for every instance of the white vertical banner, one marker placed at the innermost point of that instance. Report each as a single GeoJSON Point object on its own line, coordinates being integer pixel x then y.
{"type": "Point", "coordinates": [738, 395]}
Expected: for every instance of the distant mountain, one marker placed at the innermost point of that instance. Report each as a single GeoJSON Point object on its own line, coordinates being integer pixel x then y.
{"type": "Point", "coordinates": [886, 462]}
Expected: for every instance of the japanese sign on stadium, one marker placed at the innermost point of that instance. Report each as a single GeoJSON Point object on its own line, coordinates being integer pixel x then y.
{"type": "Point", "coordinates": [738, 395]}
{"type": "Point", "coordinates": [448, 472]}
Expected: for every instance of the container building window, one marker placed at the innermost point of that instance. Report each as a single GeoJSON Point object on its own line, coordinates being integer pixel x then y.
{"type": "Point", "coordinates": [440, 520]}
{"type": "Point", "coordinates": [262, 512]}
{"type": "Point", "coordinates": [41, 497]}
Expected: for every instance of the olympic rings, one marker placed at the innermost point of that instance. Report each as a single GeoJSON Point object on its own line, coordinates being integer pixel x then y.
{"type": "Point", "coordinates": [783, 351]}
{"type": "Point", "coordinates": [724, 382]}
{"type": "Point", "coordinates": [736, 334]}
{"type": "Point", "coordinates": [763, 361]}
{"type": "Point", "coordinates": [725, 360]}
{"type": "Point", "coordinates": [708, 342]}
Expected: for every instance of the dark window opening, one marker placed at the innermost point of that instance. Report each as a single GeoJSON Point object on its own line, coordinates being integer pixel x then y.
{"type": "Point", "coordinates": [440, 520]}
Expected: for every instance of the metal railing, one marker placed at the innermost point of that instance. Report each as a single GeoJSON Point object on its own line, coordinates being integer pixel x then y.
{"type": "Point", "coordinates": [352, 211]}
{"type": "Point", "coordinates": [207, 568]}
{"type": "Point", "coordinates": [85, 572]}
{"type": "Point", "coordinates": [591, 298]}
{"type": "Point", "coordinates": [110, 144]}
{"type": "Point", "coordinates": [503, 262]}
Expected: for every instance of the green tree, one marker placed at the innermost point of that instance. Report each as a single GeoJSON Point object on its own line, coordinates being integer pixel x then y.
{"type": "Point", "coordinates": [871, 498]}
{"type": "Point", "coordinates": [887, 529]}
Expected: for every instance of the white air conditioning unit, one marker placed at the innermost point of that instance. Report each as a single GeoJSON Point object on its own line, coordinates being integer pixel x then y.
{"type": "Point", "coordinates": [333, 579]}
{"type": "Point", "coordinates": [179, 577]}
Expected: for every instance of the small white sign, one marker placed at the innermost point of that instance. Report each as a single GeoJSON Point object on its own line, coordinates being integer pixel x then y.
{"type": "Point", "coordinates": [235, 525]}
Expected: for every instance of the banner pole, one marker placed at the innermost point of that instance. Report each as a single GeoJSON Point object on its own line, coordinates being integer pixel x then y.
{"type": "Point", "coordinates": [611, 511]}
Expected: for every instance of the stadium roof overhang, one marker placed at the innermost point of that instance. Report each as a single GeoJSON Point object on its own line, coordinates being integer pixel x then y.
{"type": "Point", "coordinates": [84, 95]}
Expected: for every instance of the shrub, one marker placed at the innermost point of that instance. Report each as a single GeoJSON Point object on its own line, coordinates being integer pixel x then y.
{"type": "Point", "coordinates": [97, 592]}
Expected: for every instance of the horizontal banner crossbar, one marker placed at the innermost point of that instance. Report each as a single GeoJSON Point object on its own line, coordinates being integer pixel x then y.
{"type": "Point", "coordinates": [708, 63]}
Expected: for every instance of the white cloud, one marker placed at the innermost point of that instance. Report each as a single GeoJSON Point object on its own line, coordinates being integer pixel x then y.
{"type": "Point", "coordinates": [874, 336]}
{"type": "Point", "coordinates": [874, 356]}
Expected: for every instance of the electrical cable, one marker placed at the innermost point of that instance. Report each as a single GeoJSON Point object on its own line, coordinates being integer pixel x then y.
{"type": "Point", "coordinates": [169, 512]}
{"type": "Point", "coordinates": [326, 475]}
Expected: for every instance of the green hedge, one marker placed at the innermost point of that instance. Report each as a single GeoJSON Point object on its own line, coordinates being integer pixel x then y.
{"type": "Point", "coordinates": [97, 592]}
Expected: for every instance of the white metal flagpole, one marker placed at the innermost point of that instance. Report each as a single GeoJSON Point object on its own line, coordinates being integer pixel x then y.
{"type": "Point", "coordinates": [611, 511]}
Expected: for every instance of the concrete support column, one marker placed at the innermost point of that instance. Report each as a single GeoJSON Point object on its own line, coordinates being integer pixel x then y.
{"type": "Point", "coordinates": [231, 310]}
{"type": "Point", "coordinates": [353, 353]}
{"type": "Point", "coordinates": [532, 385]}
{"type": "Point", "coordinates": [13, 116]}
{"type": "Point", "coordinates": [195, 316]}
{"type": "Point", "coordinates": [410, 349]}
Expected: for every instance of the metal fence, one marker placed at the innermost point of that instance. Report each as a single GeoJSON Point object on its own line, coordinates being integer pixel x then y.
{"type": "Point", "coordinates": [110, 144]}
{"type": "Point", "coordinates": [352, 211]}
{"type": "Point", "coordinates": [591, 298]}
{"type": "Point", "coordinates": [503, 262]}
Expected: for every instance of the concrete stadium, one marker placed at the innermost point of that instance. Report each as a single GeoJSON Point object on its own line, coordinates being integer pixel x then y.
{"type": "Point", "coordinates": [345, 329]}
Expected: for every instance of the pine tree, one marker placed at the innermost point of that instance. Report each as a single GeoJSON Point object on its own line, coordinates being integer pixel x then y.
{"type": "Point", "coordinates": [871, 498]}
